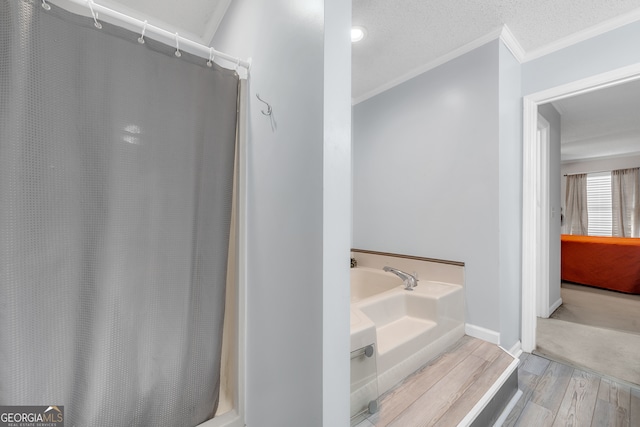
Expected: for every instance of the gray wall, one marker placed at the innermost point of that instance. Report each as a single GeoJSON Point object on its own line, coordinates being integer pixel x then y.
{"type": "Point", "coordinates": [553, 117]}
{"type": "Point", "coordinates": [415, 148]}
{"type": "Point", "coordinates": [510, 195]}
{"type": "Point", "coordinates": [440, 132]}
{"type": "Point", "coordinates": [425, 178]}
{"type": "Point", "coordinates": [297, 342]}
{"type": "Point", "coordinates": [614, 49]}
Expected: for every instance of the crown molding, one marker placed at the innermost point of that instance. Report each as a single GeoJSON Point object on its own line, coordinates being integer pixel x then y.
{"type": "Point", "coordinates": [600, 158]}
{"type": "Point", "coordinates": [580, 36]}
{"type": "Point", "coordinates": [512, 43]}
{"type": "Point", "coordinates": [558, 106]}
{"type": "Point", "coordinates": [493, 35]}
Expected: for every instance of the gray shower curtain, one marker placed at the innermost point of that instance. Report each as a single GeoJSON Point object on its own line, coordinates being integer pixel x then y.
{"type": "Point", "coordinates": [116, 169]}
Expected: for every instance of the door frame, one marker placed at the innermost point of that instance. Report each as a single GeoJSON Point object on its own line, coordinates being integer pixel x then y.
{"type": "Point", "coordinates": [543, 143]}
{"type": "Point", "coordinates": [535, 220]}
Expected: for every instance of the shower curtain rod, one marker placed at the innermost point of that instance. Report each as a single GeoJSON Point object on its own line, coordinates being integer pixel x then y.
{"type": "Point", "coordinates": [160, 34]}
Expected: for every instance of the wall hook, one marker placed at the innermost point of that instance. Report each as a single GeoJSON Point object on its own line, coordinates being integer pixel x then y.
{"type": "Point", "coordinates": [269, 111]}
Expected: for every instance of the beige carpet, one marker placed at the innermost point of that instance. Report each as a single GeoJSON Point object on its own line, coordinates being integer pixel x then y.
{"type": "Point", "coordinates": [606, 351]}
{"type": "Point", "coordinates": [599, 307]}
{"type": "Point", "coordinates": [594, 329]}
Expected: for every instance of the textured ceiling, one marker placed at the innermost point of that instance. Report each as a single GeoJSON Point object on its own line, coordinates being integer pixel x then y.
{"type": "Point", "coordinates": [403, 36]}
{"type": "Point", "coordinates": [602, 123]}
{"type": "Point", "coordinates": [406, 37]}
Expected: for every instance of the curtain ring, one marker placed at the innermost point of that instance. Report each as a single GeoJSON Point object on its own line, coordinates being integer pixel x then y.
{"type": "Point", "coordinates": [45, 5]}
{"type": "Point", "coordinates": [178, 53]}
{"type": "Point", "coordinates": [94, 14]}
{"type": "Point", "coordinates": [144, 28]}
{"type": "Point", "coordinates": [210, 61]}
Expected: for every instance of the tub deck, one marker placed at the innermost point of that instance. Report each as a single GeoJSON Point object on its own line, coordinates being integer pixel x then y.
{"type": "Point", "coordinates": [408, 328]}
{"type": "Point", "coordinates": [447, 389]}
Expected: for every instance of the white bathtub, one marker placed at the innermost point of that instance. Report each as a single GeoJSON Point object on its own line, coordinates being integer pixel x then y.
{"type": "Point", "coordinates": [367, 282]}
{"type": "Point", "coordinates": [407, 328]}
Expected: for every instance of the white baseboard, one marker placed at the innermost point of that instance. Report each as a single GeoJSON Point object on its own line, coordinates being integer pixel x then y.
{"type": "Point", "coordinates": [554, 306]}
{"type": "Point", "coordinates": [482, 333]}
{"type": "Point", "coordinates": [507, 409]}
{"type": "Point", "coordinates": [515, 350]}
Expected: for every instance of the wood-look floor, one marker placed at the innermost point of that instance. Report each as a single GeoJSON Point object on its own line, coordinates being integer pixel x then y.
{"type": "Point", "coordinates": [555, 394]}
{"type": "Point", "coordinates": [444, 391]}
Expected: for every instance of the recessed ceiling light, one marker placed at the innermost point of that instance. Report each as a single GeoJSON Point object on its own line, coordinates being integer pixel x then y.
{"type": "Point", "coordinates": [357, 34]}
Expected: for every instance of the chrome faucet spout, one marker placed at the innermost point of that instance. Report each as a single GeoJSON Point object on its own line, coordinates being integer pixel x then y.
{"type": "Point", "coordinates": [409, 281]}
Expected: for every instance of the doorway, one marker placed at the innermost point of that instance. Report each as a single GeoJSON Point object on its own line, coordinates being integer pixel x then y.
{"type": "Point", "coordinates": [535, 220]}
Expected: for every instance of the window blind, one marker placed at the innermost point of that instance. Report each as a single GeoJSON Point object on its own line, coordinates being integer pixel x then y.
{"type": "Point", "coordinates": [599, 203]}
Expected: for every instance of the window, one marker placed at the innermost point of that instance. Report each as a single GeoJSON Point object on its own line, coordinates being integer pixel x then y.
{"type": "Point", "coordinates": [599, 204]}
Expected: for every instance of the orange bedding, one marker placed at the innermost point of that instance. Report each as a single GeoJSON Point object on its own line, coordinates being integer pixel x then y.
{"type": "Point", "coordinates": [604, 262]}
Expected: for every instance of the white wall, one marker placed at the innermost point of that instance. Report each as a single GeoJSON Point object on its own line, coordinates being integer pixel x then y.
{"type": "Point", "coordinates": [297, 344]}
{"type": "Point", "coordinates": [426, 173]}
{"type": "Point", "coordinates": [553, 117]}
{"type": "Point", "coordinates": [510, 195]}
{"type": "Point", "coordinates": [336, 363]}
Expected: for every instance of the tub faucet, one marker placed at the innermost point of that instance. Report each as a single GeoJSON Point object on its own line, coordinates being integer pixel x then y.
{"type": "Point", "coordinates": [410, 281]}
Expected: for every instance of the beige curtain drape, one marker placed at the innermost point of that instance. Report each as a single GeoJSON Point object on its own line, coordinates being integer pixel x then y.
{"type": "Point", "coordinates": [228, 373]}
{"type": "Point", "coordinates": [576, 216]}
{"type": "Point", "coordinates": [625, 197]}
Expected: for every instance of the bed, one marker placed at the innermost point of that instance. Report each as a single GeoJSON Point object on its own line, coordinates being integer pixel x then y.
{"type": "Point", "coordinates": [604, 262]}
